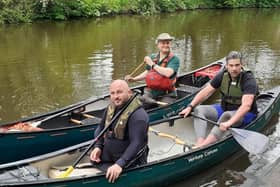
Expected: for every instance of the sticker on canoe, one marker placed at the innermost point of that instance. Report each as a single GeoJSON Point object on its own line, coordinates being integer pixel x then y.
{"type": "Point", "coordinates": [203, 155]}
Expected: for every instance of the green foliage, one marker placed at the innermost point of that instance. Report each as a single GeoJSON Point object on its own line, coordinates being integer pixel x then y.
{"type": "Point", "coordinates": [193, 4]}
{"type": "Point", "coordinates": [166, 5]}
{"type": "Point", "coordinates": [15, 11]}
{"type": "Point", "coordinates": [268, 3]}
{"type": "Point", "coordinates": [145, 7]}
{"type": "Point", "coordinates": [64, 9]}
{"type": "Point", "coordinates": [239, 3]}
{"type": "Point", "coordinates": [108, 6]}
{"type": "Point", "coordinates": [243, 3]}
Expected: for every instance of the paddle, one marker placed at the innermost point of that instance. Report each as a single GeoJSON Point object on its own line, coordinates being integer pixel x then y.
{"type": "Point", "coordinates": [165, 135]}
{"type": "Point", "coordinates": [71, 168]}
{"type": "Point", "coordinates": [136, 69]}
{"type": "Point", "coordinates": [251, 141]}
{"type": "Point", "coordinates": [172, 137]}
{"type": "Point", "coordinates": [37, 123]}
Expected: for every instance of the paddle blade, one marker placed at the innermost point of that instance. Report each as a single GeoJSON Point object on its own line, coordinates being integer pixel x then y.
{"type": "Point", "coordinates": [66, 173]}
{"type": "Point", "coordinates": [251, 141]}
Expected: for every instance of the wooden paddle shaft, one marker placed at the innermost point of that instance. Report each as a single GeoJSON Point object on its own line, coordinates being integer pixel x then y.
{"type": "Point", "coordinates": [137, 68]}
{"type": "Point", "coordinates": [166, 135]}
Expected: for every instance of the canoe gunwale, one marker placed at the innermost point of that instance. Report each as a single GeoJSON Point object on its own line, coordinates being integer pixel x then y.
{"type": "Point", "coordinates": [152, 164]}
{"type": "Point", "coordinates": [91, 100]}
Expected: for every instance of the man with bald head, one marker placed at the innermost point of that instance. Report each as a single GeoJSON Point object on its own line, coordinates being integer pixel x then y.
{"type": "Point", "coordinates": [125, 143]}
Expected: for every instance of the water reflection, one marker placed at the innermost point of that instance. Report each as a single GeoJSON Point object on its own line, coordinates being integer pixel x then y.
{"type": "Point", "coordinates": [47, 65]}
{"type": "Point", "coordinates": [101, 71]}
{"type": "Point", "coordinates": [71, 61]}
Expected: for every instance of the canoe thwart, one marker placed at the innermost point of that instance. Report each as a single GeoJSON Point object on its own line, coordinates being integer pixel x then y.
{"type": "Point", "coordinates": [87, 121]}
{"type": "Point", "coordinates": [88, 116]}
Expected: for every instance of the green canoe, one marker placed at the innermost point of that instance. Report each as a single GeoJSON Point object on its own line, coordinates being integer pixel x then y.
{"type": "Point", "coordinates": [74, 124]}
{"type": "Point", "coordinates": [167, 162]}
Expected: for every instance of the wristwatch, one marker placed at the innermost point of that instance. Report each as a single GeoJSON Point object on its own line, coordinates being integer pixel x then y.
{"type": "Point", "coordinates": [153, 66]}
{"type": "Point", "coordinates": [191, 106]}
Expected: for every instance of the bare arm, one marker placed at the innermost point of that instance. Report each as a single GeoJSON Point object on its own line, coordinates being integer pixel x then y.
{"type": "Point", "coordinates": [164, 70]}
{"type": "Point", "coordinates": [200, 97]}
{"type": "Point", "coordinates": [247, 101]}
{"type": "Point", "coordinates": [203, 95]}
{"type": "Point", "coordinates": [139, 77]}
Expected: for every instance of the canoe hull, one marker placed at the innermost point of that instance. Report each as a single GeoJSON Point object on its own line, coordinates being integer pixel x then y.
{"type": "Point", "coordinates": [21, 145]}
{"type": "Point", "coordinates": [24, 145]}
{"type": "Point", "coordinates": [167, 171]}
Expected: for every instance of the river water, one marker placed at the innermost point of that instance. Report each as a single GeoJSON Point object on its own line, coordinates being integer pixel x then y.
{"type": "Point", "coordinates": [48, 65]}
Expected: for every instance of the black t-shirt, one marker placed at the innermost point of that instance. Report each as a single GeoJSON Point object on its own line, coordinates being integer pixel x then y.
{"type": "Point", "coordinates": [248, 85]}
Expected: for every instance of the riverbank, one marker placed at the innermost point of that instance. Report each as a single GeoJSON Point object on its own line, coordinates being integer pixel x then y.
{"type": "Point", "coordinates": [17, 11]}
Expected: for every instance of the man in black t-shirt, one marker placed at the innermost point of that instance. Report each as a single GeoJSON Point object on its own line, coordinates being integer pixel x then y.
{"type": "Point", "coordinates": [238, 90]}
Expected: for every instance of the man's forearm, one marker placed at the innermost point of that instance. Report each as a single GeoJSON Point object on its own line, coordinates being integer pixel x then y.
{"type": "Point", "coordinates": [164, 71]}
{"type": "Point", "coordinates": [140, 76]}
{"type": "Point", "coordinates": [202, 95]}
{"type": "Point", "coordinates": [247, 101]}
{"type": "Point", "coordinates": [240, 113]}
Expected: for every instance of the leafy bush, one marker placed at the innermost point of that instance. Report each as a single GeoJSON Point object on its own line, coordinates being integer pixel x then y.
{"type": "Point", "coordinates": [268, 3]}
{"type": "Point", "coordinates": [15, 11]}
{"type": "Point", "coordinates": [243, 3]}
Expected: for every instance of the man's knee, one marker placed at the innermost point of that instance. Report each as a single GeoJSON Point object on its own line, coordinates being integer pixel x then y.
{"type": "Point", "coordinates": [225, 116]}
{"type": "Point", "coordinates": [204, 110]}
{"type": "Point", "coordinates": [199, 109]}
{"type": "Point", "coordinates": [217, 133]}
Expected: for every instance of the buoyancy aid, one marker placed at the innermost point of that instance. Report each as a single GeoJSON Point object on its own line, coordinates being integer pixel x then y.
{"type": "Point", "coordinates": [231, 90]}
{"type": "Point", "coordinates": [120, 127]}
{"type": "Point", "coordinates": [156, 81]}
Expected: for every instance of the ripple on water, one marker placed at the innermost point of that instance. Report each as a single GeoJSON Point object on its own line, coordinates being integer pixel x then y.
{"type": "Point", "coordinates": [264, 169]}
